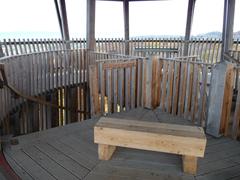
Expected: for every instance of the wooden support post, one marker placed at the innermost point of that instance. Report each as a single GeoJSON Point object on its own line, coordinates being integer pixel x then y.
{"type": "Point", "coordinates": [64, 20]}
{"type": "Point", "coordinates": [190, 13]}
{"type": "Point", "coordinates": [126, 25]}
{"type": "Point", "coordinates": [59, 17]}
{"type": "Point", "coordinates": [105, 152]}
{"type": "Point", "coordinates": [94, 88]}
{"type": "Point", "coordinates": [228, 21]}
{"type": "Point", "coordinates": [189, 164]}
{"type": "Point", "coordinates": [220, 99]}
{"type": "Point", "coordinates": [91, 24]}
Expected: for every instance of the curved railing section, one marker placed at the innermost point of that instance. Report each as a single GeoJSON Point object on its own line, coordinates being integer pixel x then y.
{"type": "Point", "coordinates": [33, 77]}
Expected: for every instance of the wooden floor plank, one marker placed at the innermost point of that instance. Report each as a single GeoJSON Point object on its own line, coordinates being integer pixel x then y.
{"type": "Point", "coordinates": [18, 169]}
{"type": "Point", "coordinates": [69, 152]}
{"type": "Point", "coordinates": [48, 163]}
{"type": "Point", "coordinates": [80, 147]}
{"type": "Point", "coordinates": [29, 165]}
{"type": "Point", "coordinates": [70, 164]}
{"type": "Point", "coordinates": [80, 157]}
{"type": "Point", "coordinates": [215, 166]}
{"type": "Point", "coordinates": [223, 174]}
{"type": "Point", "coordinates": [133, 172]}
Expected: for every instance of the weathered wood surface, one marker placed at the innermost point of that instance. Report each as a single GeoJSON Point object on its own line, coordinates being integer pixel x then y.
{"type": "Point", "coordinates": [177, 139]}
{"type": "Point", "coordinates": [74, 143]}
{"type": "Point", "coordinates": [188, 141]}
{"type": "Point", "coordinates": [179, 86]}
{"type": "Point", "coordinates": [208, 50]}
{"type": "Point", "coordinates": [34, 78]}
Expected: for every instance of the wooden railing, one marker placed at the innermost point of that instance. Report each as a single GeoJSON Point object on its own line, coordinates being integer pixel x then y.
{"type": "Point", "coordinates": [208, 50]}
{"type": "Point", "coordinates": [179, 86]}
{"type": "Point", "coordinates": [44, 90]}
{"type": "Point", "coordinates": [115, 84]}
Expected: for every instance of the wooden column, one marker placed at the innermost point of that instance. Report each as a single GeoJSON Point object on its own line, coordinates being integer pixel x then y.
{"type": "Point", "coordinates": [91, 7]}
{"type": "Point", "coordinates": [228, 21]}
{"type": "Point", "coordinates": [220, 99]}
{"type": "Point", "coordinates": [126, 25]}
{"type": "Point", "coordinates": [59, 17]}
{"type": "Point", "coordinates": [190, 13]}
{"type": "Point", "coordinates": [64, 20]}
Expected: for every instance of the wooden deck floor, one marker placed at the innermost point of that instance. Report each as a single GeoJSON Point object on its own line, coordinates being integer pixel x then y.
{"type": "Point", "coordinates": [69, 153]}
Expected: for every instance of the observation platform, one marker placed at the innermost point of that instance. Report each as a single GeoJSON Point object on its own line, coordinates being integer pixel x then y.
{"type": "Point", "coordinates": [68, 152]}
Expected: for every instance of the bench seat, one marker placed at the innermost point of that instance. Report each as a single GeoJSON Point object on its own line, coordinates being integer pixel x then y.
{"type": "Point", "coordinates": [188, 141]}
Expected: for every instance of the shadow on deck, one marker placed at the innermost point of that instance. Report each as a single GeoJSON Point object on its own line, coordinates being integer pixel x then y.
{"type": "Point", "coordinates": [69, 153]}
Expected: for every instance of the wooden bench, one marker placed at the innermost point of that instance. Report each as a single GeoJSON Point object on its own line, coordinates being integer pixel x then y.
{"type": "Point", "coordinates": [188, 141]}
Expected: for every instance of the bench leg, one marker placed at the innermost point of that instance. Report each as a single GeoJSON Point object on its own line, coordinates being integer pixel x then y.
{"type": "Point", "coordinates": [105, 152]}
{"type": "Point", "coordinates": [189, 164]}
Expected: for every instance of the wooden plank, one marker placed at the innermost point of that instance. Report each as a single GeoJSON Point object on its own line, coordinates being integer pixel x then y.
{"type": "Point", "coordinates": [109, 90]}
{"type": "Point", "coordinates": [194, 94]}
{"type": "Point", "coordinates": [133, 87]}
{"type": "Point", "coordinates": [68, 163]}
{"type": "Point", "coordinates": [159, 82]}
{"type": "Point", "coordinates": [170, 86]}
{"type": "Point", "coordinates": [154, 81]}
{"type": "Point", "coordinates": [33, 168]}
{"type": "Point", "coordinates": [164, 85]}
{"type": "Point", "coordinates": [227, 99]}
{"type": "Point", "coordinates": [127, 89]}
{"type": "Point", "coordinates": [189, 89]}
{"type": "Point", "coordinates": [176, 87]}
{"type": "Point", "coordinates": [139, 82]}
{"type": "Point", "coordinates": [119, 65]}
{"type": "Point", "coordinates": [115, 90]}
{"type": "Point", "coordinates": [93, 82]}
{"type": "Point", "coordinates": [146, 135]}
{"type": "Point", "coordinates": [17, 168]}
{"type": "Point", "coordinates": [147, 84]}
{"type": "Point", "coordinates": [182, 92]}
{"type": "Point", "coordinates": [49, 163]}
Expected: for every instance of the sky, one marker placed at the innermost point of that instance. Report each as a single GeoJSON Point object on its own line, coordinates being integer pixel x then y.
{"type": "Point", "coordinates": [32, 17]}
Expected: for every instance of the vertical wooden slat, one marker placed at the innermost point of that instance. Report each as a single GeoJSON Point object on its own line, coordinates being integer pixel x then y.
{"type": "Point", "coordinates": [121, 88]}
{"type": "Point", "coordinates": [176, 87]}
{"type": "Point", "coordinates": [164, 85]}
{"type": "Point", "coordinates": [159, 82]}
{"type": "Point", "coordinates": [182, 88]}
{"type": "Point", "coordinates": [115, 90]}
{"type": "Point", "coordinates": [170, 86]}
{"type": "Point", "coordinates": [93, 82]}
{"type": "Point", "coordinates": [203, 98]}
{"type": "Point", "coordinates": [109, 89]}
{"type": "Point", "coordinates": [227, 100]}
{"type": "Point", "coordinates": [155, 82]}
{"type": "Point", "coordinates": [127, 88]}
{"type": "Point", "coordinates": [195, 90]}
{"type": "Point", "coordinates": [133, 86]}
